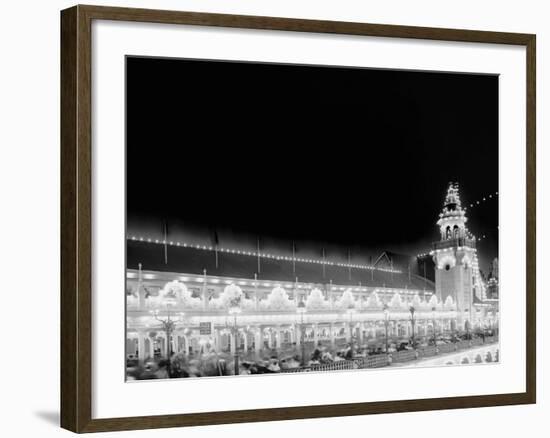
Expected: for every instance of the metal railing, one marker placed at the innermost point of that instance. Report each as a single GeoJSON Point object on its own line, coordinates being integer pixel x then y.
{"type": "Point", "coordinates": [383, 360]}
{"type": "Point", "coordinates": [374, 361]}
{"type": "Point", "coordinates": [451, 243]}
{"type": "Point", "coordinates": [334, 366]}
{"type": "Point", "coordinates": [404, 356]}
{"type": "Point", "coordinates": [446, 348]}
{"type": "Point", "coordinates": [427, 351]}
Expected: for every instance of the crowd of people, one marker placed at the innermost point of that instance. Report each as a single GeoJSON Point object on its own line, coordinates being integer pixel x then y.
{"type": "Point", "coordinates": [213, 363]}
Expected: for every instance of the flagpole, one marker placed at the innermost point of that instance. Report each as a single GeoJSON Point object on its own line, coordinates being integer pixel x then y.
{"type": "Point", "coordinates": [293, 258]}
{"type": "Point", "coordinates": [259, 270]}
{"type": "Point", "coordinates": [204, 290]}
{"type": "Point", "coordinates": [371, 268]}
{"type": "Point", "coordinates": [330, 294]}
{"type": "Point", "coordinates": [256, 291]}
{"type": "Point", "coordinates": [165, 245]}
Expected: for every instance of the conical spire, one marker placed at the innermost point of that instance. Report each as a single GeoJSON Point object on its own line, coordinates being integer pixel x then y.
{"type": "Point", "coordinates": [452, 199]}
{"type": "Point", "coordinates": [452, 219]}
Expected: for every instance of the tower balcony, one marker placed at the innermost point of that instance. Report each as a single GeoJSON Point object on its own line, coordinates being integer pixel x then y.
{"type": "Point", "coordinates": [453, 243]}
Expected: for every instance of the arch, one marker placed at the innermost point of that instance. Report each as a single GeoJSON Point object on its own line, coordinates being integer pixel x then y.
{"type": "Point", "coordinates": [456, 232]}
{"type": "Point", "coordinates": [182, 343]}
{"type": "Point", "coordinates": [448, 232]}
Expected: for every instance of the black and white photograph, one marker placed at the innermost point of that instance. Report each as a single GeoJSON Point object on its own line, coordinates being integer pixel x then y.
{"type": "Point", "coordinates": [285, 218]}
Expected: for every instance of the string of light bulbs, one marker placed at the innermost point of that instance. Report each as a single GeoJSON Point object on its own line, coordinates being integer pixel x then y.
{"type": "Point", "coordinates": [259, 254]}
{"type": "Point", "coordinates": [484, 199]}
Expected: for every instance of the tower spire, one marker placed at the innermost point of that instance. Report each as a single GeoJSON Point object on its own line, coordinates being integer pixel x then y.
{"type": "Point", "coordinates": [452, 219]}
{"type": "Point", "coordinates": [452, 199]}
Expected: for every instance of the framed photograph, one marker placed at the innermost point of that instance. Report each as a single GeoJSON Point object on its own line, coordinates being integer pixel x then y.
{"type": "Point", "coordinates": [271, 218]}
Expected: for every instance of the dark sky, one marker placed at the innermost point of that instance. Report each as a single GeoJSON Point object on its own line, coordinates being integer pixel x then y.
{"type": "Point", "coordinates": [343, 155]}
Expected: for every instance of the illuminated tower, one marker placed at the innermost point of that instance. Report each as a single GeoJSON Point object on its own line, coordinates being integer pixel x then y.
{"type": "Point", "coordinates": [455, 258]}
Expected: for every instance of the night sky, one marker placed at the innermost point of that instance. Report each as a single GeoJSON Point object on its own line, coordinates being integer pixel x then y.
{"type": "Point", "coordinates": [348, 156]}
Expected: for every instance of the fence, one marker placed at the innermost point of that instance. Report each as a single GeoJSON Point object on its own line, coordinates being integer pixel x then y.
{"type": "Point", "coordinates": [382, 360]}
{"type": "Point", "coordinates": [446, 348]}
{"type": "Point", "coordinates": [476, 342]}
{"type": "Point", "coordinates": [334, 366]}
{"type": "Point", "coordinates": [374, 361]}
{"type": "Point", "coordinates": [403, 356]}
{"type": "Point", "coordinates": [427, 351]}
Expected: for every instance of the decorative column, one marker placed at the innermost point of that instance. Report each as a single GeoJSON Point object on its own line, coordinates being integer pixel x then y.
{"type": "Point", "coordinates": [331, 328]}
{"type": "Point", "coordinates": [151, 347]}
{"type": "Point", "coordinates": [141, 345]}
{"type": "Point", "coordinates": [297, 335]}
{"type": "Point", "coordinates": [360, 334]}
{"type": "Point", "coordinates": [315, 335]}
{"type": "Point", "coordinates": [258, 340]}
{"type": "Point", "coordinates": [216, 334]}
{"type": "Point", "coordinates": [267, 332]}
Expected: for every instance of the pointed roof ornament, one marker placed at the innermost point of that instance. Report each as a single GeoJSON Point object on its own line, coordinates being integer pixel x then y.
{"type": "Point", "coordinates": [452, 207]}
{"type": "Point", "coordinates": [452, 199]}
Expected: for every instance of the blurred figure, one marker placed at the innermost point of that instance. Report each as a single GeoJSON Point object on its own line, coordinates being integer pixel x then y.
{"type": "Point", "coordinates": [162, 371]}
{"type": "Point", "coordinates": [326, 357]}
{"type": "Point", "coordinates": [244, 368]}
{"type": "Point", "coordinates": [274, 365]}
{"type": "Point", "coordinates": [147, 371]}
{"type": "Point", "coordinates": [179, 366]}
{"type": "Point", "coordinates": [339, 357]}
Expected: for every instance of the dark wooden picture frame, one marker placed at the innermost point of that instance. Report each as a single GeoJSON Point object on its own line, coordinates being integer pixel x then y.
{"type": "Point", "coordinates": [76, 218]}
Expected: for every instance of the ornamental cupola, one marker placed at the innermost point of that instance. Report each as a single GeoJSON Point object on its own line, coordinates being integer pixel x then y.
{"type": "Point", "coordinates": [452, 219]}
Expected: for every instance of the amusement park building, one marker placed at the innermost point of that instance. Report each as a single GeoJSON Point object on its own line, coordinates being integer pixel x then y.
{"type": "Point", "coordinates": [196, 287]}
